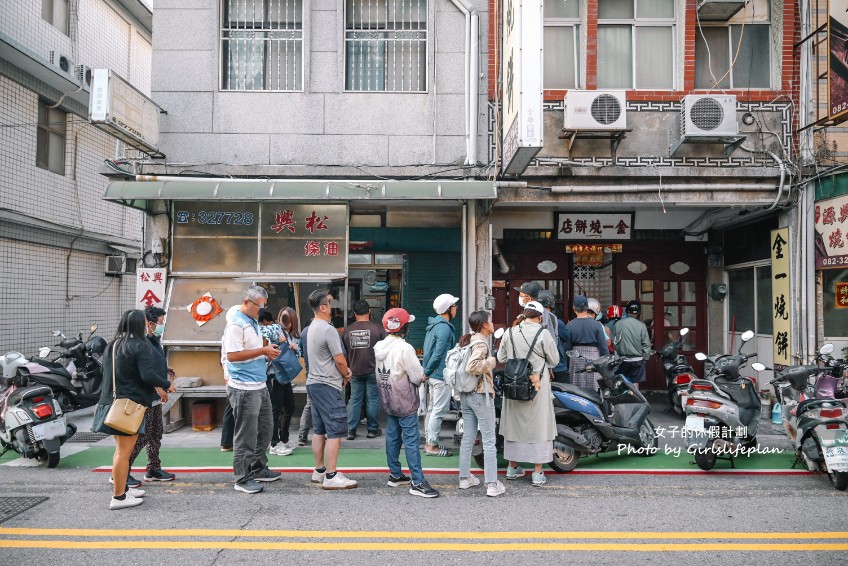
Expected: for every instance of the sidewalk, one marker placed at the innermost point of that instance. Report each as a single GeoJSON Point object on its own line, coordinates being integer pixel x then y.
{"type": "Point", "coordinates": [189, 450]}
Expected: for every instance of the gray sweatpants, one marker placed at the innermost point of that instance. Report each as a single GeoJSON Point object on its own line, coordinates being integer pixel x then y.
{"type": "Point", "coordinates": [253, 428]}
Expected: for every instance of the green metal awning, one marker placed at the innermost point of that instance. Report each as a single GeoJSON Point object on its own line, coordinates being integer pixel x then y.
{"type": "Point", "coordinates": [138, 194]}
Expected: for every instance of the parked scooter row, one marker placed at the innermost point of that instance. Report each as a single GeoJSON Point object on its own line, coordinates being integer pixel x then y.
{"type": "Point", "coordinates": [35, 394]}
{"type": "Point", "coordinates": [815, 421]}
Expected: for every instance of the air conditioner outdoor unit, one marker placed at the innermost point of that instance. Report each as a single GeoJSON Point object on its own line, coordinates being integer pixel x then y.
{"type": "Point", "coordinates": [708, 116]}
{"type": "Point", "coordinates": [595, 110]}
{"type": "Point", "coordinates": [63, 65]}
{"type": "Point", "coordinates": [83, 74]}
{"type": "Point", "coordinates": [117, 265]}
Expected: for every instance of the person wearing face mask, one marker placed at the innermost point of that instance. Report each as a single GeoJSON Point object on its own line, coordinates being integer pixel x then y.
{"type": "Point", "coordinates": [152, 436]}
{"type": "Point", "coordinates": [529, 291]}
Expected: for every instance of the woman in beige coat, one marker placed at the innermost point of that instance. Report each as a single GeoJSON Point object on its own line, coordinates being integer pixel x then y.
{"type": "Point", "coordinates": [529, 427]}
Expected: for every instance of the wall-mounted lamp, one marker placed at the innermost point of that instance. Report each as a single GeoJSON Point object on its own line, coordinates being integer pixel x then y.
{"type": "Point", "coordinates": [718, 291]}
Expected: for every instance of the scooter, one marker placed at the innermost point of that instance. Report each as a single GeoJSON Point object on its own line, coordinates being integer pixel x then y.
{"type": "Point", "coordinates": [678, 372]}
{"type": "Point", "coordinates": [590, 422]}
{"type": "Point", "coordinates": [817, 427]}
{"type": "Point", "coordinates": [77, 386]}
{"type": "Point", "coordinates": [31, 420]}
{"type": "Point", "coordinates": [830, 385]}
{"type": "Point", "coordinates": [722, 410]}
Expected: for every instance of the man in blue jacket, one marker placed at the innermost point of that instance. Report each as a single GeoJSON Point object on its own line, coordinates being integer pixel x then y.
{"type": "Point", "coordinates": [440, 338]}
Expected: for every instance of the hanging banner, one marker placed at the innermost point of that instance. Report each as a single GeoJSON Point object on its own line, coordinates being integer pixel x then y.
{"type": "Point", "coordinates": [837, 67]}
{"type": "Point", "coordinates": [521, 78]}
{"type": "Point", "coordinates": [150, 288]}
{"type": "Point", "coordinates": [781, 297]}
{"type": "Point", "coordinates": [841, 294]}
{"type": "Point", "coordinates": [831, 243]}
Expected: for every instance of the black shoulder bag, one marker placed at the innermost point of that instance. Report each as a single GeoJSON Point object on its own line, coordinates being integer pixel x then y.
{"type": "Point", "coordinates": [516, 384]}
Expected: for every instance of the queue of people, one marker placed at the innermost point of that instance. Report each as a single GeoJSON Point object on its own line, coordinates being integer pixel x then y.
{"type": "Point", "coordinates": [383, 371]}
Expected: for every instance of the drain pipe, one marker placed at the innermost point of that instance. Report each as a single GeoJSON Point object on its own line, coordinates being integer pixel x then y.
{"type": "Point", "coordinates": [782, 166]}
{"type": "Point", "coordinates": [472, 63]}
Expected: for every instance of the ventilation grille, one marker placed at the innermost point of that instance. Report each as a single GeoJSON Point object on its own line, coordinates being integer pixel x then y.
{"type": "Point", "coordinates": [606, 109]}
{"type": "Point", "coordinates": [706, 114]}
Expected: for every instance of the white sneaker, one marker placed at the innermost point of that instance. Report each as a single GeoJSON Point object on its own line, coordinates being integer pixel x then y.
{"type": "Point", "coordinates": [128, 501]}
{"type": "Point", "coordinates": [470, 481]}
{"type": "Point", "coordinates": [135, 492]}
{"type": "Point", "coordinates": [495, 489]}
{"type": "Point", "coordinates": [280, 449]}
{"type": "Point", "coordinates": [339, 481]}
{"type": "Point", "coordinates": [318, 477]}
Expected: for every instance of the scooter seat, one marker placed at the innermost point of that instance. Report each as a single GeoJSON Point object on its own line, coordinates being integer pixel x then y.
{"type": "Point", "coordinates": [578, 391]}
{"type": "Point", "coordinates": [26, 392]}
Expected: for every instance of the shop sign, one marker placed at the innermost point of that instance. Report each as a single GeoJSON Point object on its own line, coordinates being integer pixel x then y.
{"type": "Point", "coordinates": [521, 77]}
{"type": "Point", "coordinates": [307, 238]}
{"type": "Point", "coordinates": [150, 288]}
{"type": "Point", "coordinates": [593, 248]}
{"type": "Point", "coordinates": [831, 237]}
{"type": "Point", "coordinates": [498, 284]}
{"type": "Point", "coordinates": [837, 73]}
{"type": "Point", "coordinates": [593, 226]}
{"type": "Point", "coordinates": [841, 294]}
{"type": "Point", "coordinates": [781, 297]}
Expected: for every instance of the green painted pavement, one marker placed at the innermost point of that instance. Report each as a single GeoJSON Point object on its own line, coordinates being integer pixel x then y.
{"type": "Point", "coordinates": [376, 458]}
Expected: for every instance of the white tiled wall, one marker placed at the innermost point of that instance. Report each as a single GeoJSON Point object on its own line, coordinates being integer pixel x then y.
{"type": "Point", "coordinates": [48, 280]}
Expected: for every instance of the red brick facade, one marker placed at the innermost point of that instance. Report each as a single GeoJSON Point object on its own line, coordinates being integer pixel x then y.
{"type": "Point", "coordinates": [789, 60]}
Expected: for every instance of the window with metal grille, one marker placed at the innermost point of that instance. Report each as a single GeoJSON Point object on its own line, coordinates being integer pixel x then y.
{"type": "Point", "coordinates": [562, 45]}
{"type": "Point", "coordinates": [386, 45]}
{"type": "Point", "coordinates": [262, 45]}
{"type": "Point", "coordinates": [50, 140]}
{"type": "Point", "coordinates": [735, 54]}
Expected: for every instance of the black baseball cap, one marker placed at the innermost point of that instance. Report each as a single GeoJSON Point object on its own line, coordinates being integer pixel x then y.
{"type": "Point", "coordinates": [529, 288]}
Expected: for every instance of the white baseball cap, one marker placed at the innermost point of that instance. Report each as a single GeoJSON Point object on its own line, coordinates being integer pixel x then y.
{"type": "Point", "coordinates": [535, 306]}
{"type": "Point", "coordinates": [444, 302]}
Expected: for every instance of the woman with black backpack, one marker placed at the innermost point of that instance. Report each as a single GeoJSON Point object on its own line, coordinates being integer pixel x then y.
{"type": "Point", "coordinates": [529, 427]}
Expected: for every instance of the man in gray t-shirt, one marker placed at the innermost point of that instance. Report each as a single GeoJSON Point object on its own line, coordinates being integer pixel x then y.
{"type": "Point", "coordinates": [328, 374]}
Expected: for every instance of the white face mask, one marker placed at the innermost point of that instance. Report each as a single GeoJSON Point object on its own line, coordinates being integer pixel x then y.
{"type": "Point", "coordinates": [523, 301]}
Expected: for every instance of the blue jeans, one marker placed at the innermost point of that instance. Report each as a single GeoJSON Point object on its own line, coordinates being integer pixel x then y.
{"type": "Point", "coordinates": [407, 427]}
{"type": "Point", "coordinates": [363, 386]}
{"type": "Point", "coordinates": [440, 396]}
{"type": "Point", "coordinates": [478, 414]}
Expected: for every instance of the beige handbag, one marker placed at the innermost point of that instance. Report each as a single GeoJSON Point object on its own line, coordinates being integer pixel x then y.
{"type": "Point", "coordinates": [124, 415]}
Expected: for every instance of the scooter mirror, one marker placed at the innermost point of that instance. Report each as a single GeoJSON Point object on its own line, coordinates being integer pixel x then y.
{"type": "Point", "coordinates": [684, 331]}
{"type": "Point", "coordinates": [700, 357]}
{"type": "Point", "coordinates": [826, 349]}
{"type": "Point", "coordinates": [573, 354]}
{"type": "Point", "coordinates": [757, 366]}
{"type": "Point", "coordinates": [43, 352]}
{"type": "Point", "coordinates": [56, 333]}
{"type": "Point", "coordinates": [747, 335]}
{"type": "Point", "coordinates": [498, 333]}
{"type": "Point", "coordinates": [94, 328]}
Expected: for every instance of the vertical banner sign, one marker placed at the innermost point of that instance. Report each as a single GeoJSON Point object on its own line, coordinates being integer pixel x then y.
{"type": "Point", "coordinates": [150, 288]}
{"type": "Point", "coordinates": [831, 218]}
{"type": "Point", "coordinates": [521, 78]}
{"type": "Point", "coordinates": [837, 68]}
{"type": "Point", "coordinates": [781, 297]}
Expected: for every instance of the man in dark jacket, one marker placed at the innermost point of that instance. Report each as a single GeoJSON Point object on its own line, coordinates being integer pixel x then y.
{"type": "Point", "coordinates": [359, 340]}
{"type": "Point", "coordinates": [440, 337]}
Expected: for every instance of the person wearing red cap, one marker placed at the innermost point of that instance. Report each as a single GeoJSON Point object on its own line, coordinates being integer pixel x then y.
{"type": "Point", "coordinates": [399, 373]}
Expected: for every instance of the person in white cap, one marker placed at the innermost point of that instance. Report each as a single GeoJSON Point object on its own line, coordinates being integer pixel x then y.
{"type": "Point", "coordinates": [440, 337]}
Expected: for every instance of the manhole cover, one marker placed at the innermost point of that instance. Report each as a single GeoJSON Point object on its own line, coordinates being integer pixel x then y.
{"type": "Point", "coordinates": [11, 506]}
{"type": "Point", "coordinates": [87, 437]}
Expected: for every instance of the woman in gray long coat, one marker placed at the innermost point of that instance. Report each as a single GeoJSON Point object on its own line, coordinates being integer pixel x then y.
{"type": "Point", "coordinates": [528, 427]}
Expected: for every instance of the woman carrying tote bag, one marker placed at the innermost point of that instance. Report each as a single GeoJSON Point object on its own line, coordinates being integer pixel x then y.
{"type": "Point", "coordinates": [529, 427]}
{"type": "Point", "coordinates": [131, 364]}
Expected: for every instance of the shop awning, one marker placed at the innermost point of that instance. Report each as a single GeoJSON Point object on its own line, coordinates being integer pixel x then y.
{"type": "Point", "coordinates": [137, 194]}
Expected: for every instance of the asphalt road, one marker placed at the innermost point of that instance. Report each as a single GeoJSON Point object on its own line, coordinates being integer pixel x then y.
{"type": "Point", "coordinates": [592, 519]}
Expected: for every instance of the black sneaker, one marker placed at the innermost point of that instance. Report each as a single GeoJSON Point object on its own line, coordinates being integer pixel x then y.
{"type": "Point", "coordinates": [423, 489]}
{"type": "Point", "coordinates": [351, 434]}
{"type": "Point", "coordinates": [131, 482]}
{"type": "Point", "coordinates": [158, 475]}
{"type": "Point", "coordinates": [267, 475]}
{"type": "Point", "coordinates": [302, 440]}
{"type": "Point", "coordinates": [374, 433]}
{"type": "Point", "coordinates": [398, 481]}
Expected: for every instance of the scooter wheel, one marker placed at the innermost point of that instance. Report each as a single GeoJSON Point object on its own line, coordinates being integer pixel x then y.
{"type": "Point", "coordinates": [648, 439]}
{"type": "Point", "coordinates": [706, 457]}
{"type": "Point", "coordinates": [839, 480]}
{"type": "Point", "coordinates": [53, 459]}
{"type": "Point", "coordinates": [565, 458]}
